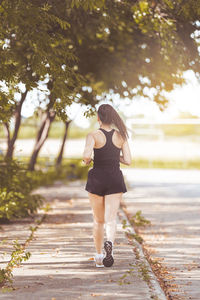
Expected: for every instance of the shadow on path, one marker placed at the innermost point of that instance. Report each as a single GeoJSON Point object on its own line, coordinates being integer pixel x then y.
{"type": "Point", "coordinates": [61, 264]}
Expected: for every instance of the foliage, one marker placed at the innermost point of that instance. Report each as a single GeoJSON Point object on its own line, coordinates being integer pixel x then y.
{"type": "Point", "coordinates": [34, 50]}
{"type": "Point", "coordinates": [88, 4]}
{"type": "Point", "coordinates": [135, 236]}
{"type": "Point", "coordinates": [76, 170]}
{"type": "Point", "coordinates": [46, 175]}
{"type": "Point", "coordinates": [138, 219]}
{"type": "Point", "coordinates": [144, 271]}
{"type": "Point", "coordinates": [80, 50]}
{"type": "Point", "coordinates": [16, 200]}
{"type": "Point", "coordinates": [130, 47]}
{"type": "Point", "coordinates": [87, 48]}
{"type": "Point", "coordinates": [16, 184]}
{"type": "Point", "coordinates": [6, 106]}
{"type": "Point", "coordinates": [18, 255]}
{"type": "Point", "coordinates": [131, 234]}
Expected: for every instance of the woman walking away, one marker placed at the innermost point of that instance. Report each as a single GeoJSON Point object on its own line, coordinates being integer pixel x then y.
{"type": "Point", "coordinates": [105, 183]}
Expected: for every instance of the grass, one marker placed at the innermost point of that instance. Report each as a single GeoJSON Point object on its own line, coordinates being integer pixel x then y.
{"type": "Point", "coordinates": [19, 253]}
{"type": "Point", "coordinates": [166, 164]}
{"type": "Point", "coordinates": [144, 271]}
{"type": "Point", "coordinates": [46, 161]}
{"type": "Point", "coordinates": [170, 130]}
{"type": "Point", "coordinates": [135, 236]}
{"type": "Point", "coordinates": [29, 131]}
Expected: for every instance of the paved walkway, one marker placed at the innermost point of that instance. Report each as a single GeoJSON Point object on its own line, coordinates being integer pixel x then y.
{"type": "Point", "coordinates": [170, 199]}
{"type": "Point", "coordinates": [61, 265]}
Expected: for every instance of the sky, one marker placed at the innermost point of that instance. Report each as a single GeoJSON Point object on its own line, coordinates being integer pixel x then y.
{"type": "Point", "coordinates": [182, 99]}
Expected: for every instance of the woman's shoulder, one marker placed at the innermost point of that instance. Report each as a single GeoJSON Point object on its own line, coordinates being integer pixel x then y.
{"type": "Point", "coordinates": [93, 133]}
{"type": "Point", "coordinates": [118, 139]}
{"type": "Point", "coordinates": [118, 134]}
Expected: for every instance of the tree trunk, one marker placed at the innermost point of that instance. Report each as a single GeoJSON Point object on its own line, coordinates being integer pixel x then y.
{"type": "Point", "coordinates": [7, 131]}
{"type": "Point", "coordinates": [41, 137]}
{"type": "Point", "coordinates": [11, 140]}
{"type": "Point", "coordinates": [60, 156]}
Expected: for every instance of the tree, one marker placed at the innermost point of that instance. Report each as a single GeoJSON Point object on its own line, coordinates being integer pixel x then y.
{"type": "Point", "coordinates": [125, 47]}
{"type": "Point", "coordinates": [47, 119]}
{"type": "Point", "coordinates": [60, 155]}
{"type": "Point", "coordinates": [118, 43]}
{"type": "Point", "coordinates": [31, 52]}
{"type": "Point", "coordinates": [42, 135]}
{"type": "Point", "coordinates": [130, 47]}
{"type": "Point", "coordinates": [17, 119]}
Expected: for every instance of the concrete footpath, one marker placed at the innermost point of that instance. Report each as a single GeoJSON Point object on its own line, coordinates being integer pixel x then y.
{"type": "Point", "coordinates": [61, 265]}
{"type": "Point", "coordinates": [170, 199]}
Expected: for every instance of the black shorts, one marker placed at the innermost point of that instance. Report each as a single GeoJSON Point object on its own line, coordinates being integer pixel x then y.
{"type": "Point", "coordinates": [102, 181]}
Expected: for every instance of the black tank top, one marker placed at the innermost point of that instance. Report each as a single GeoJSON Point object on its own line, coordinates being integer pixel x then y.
{"type": "Point", "coordinates": [109, 154]}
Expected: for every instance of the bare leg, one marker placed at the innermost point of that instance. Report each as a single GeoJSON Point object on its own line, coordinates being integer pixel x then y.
{"type": "Point", "coordinates": [112, 203]}
{"type": "Point", "coordinates": [97, 204]}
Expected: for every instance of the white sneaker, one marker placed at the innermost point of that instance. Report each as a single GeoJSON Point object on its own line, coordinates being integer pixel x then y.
{"type": "Point", "coordinates": [99, 260]}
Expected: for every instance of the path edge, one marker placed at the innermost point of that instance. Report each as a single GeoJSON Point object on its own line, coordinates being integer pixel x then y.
{"type": "Point", "coordinates": [156, 288]}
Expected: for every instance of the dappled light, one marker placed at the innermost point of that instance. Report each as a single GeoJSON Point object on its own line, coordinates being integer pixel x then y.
{"type": "Point", "coordinates": [99, 96]}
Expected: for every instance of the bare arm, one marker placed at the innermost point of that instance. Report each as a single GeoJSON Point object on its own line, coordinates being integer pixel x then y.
{"type": "Point", "coordinates": [125, 158]}
{"type": "Point", "coordinates": [89, 145]}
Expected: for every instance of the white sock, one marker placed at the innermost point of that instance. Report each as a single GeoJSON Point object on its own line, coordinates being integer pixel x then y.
{"type": "Point", "coordinates": [97, 255]}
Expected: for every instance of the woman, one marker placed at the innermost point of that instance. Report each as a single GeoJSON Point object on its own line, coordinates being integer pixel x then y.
{"type": "Point", "coordinates": [105, 184]}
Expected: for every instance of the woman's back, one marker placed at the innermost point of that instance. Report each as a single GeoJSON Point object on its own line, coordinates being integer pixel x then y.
{"type": "Point", "coordinates": [100, 138]}
{"type": "Point", "coordinates": [106, 149]}
{"type": "Point", "coordinates": [106, 177]}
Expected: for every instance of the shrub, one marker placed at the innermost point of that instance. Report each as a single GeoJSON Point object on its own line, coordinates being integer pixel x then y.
{"type": "Point", "coordinates": [16, 200]}
{"type": "Point", "coordinates": [16, 184]}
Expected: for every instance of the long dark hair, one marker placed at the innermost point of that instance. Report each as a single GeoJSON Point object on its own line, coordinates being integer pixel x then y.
{"type": "Point", "coordinates": [109, 116]}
